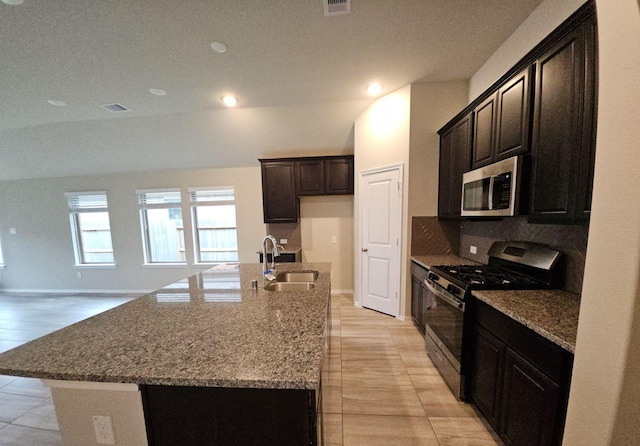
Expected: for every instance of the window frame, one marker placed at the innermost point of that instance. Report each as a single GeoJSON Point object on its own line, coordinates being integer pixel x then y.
{"type": "Point", "coordinates": [194, 204]}
{"type": "Point", "coordinates": [144, 225]}
{"type": "Point", "coordinates": [2, 265]}
{"type": "Point", "coordinates": [76, 208]}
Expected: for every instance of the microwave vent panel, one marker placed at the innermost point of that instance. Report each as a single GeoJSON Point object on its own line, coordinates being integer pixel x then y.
{"type": "Point", "coordinates": [337, 7]}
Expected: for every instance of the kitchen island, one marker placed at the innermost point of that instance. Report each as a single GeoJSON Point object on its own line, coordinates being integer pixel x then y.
{"type": "Point", "coordinates": [207, 359]}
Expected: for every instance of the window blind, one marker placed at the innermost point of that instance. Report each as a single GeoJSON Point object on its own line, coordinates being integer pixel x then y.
{"type": "Point", "coordinates": [87, 201]}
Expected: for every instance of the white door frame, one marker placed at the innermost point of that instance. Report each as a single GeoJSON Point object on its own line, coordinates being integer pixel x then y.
{"type": "Point", "coordinates": [359, 240]}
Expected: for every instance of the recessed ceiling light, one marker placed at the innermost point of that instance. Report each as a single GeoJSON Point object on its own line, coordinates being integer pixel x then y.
{"type": "Point", "coordinates": [53, 101]}
{"type": "Point", "coordinates": [219, 47]}
{"type": "Point", "coordinates": [13, 2]}
{"type": "Point", "coordinates": [157, 91]}
{"type": "Point", "coordinates": [374, 89]}
{"type": "Point", "coordinates": [230, 101]}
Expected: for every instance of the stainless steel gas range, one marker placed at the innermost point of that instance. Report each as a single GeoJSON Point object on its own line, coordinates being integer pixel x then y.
{"type": "Point", "coordinates": [512, 265]}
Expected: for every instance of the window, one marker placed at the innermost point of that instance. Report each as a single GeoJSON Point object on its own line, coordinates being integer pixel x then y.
{"type": "Point", "coordinates": [162, 229]}
{"type": "Point", "coordinates": [214, 224]}
{"type": "Point", "coordinates": [90, 229]}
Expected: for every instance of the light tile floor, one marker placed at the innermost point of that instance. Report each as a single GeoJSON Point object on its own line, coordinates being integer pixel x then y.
{"type": "Point", "coordinates": [27, 416]}
{"type": "Point", "coordinates": [380, 387]}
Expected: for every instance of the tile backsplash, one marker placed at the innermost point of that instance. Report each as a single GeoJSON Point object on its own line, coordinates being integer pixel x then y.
{"type": "Point", "coordinates": [430, 236]}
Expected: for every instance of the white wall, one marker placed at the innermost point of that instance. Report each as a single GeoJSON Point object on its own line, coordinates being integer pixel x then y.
{"type": "Point", "coordinates": [381, 138]}
{"type": "Point", "coordinates": [40, 256]}
{"type": "Point", "coordinates": [605, 389]}
{"type": "Point", "coordinates": [321, 219]}
{"type": "Point", "coordinates": [538, 25]}
{"type": "Point", "coordinates": [401, 128]}
{"type": "Point", "coordinates": [433, 104]}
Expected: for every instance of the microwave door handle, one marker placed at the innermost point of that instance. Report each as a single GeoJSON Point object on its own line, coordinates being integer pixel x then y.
{"type": "Point", "coordinates": [492, 179]}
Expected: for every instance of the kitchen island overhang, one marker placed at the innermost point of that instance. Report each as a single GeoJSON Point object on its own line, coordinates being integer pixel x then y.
{"type": "Point", "coordinates": [211, 330]}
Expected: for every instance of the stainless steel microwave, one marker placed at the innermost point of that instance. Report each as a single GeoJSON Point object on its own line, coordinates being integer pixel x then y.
{"type": "Point", "coordinates": [492, 191]}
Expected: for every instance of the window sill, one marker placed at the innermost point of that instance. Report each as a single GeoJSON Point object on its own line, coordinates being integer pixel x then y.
{"type": "Point", "coordinates": [95, 266]}
{"type": "Point", "coordinates": [164, 265]}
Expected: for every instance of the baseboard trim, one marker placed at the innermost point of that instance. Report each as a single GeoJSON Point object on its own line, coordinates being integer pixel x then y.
{"type": "Point", "coordinates": [341, 292]}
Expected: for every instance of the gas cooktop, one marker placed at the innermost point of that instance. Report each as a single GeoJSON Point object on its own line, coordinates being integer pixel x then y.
{"type": "Point", "coordinates": [512, 265]}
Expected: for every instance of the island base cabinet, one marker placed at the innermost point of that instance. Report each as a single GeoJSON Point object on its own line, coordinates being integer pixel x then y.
{"type": "Point", "coordinates": [199, 416]}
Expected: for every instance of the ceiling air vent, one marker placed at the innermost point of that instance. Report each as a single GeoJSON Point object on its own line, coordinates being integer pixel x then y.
{"type": "Point", "coordinates": [115, 108]}
{"type": "Point", "coordinates": [337, 7]}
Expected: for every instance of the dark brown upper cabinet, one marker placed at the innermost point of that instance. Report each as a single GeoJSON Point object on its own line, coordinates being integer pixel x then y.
{"type": "Point", "coordinates": [563, 140]}
{"type": "Point", "coordinates": [543, 108]}
{"type": "Point", "coordinates": [338, 175]}
{"type": "Point", "coordinates": [310, 176]}
{"type": "Point", "coordinates": [330, 175]}
{"type": "Point", "coordinates": [285, 179]}
{"type": "Point", "coordinates": [455, 159]}
{"type": "Point", "coordinates": [279, 198]}
{"type": "Point", "coordinates": [501, 122]}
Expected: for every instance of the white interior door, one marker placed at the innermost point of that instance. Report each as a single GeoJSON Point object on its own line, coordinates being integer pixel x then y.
{"type": "Point", "coordinates": [380, 208]}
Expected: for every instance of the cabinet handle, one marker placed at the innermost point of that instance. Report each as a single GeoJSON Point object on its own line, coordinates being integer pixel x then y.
{"type": "Point", "coordinates": [365, 249]}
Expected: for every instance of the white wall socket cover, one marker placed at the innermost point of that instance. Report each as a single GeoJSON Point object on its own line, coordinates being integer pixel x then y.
{"type": "Point", "coordinates": [103, 429]}
{"type": "Point", "coordinates": [283, 241]}
{"type": "Point", "coordinates": [473, 249]}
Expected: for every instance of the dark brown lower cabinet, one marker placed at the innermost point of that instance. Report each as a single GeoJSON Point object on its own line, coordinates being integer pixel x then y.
{"type": "Point", "coordinates": [519, 380]}
{"type": "Point", "coordinates": [529, 404]}
{"type": "Point", "coordinates": [200, 416]}
{"type": "Point", "coordinates": [419, 296]}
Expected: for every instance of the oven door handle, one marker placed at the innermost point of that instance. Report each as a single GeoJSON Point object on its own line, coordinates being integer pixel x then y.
{"type": "Point", "coordinates": [453, 302]}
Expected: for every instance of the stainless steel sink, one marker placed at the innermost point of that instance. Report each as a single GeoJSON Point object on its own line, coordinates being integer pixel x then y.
{"type": "Point", "coordinates": [297, 276]}
{"type": "Point", "coordinates": [290, 286]}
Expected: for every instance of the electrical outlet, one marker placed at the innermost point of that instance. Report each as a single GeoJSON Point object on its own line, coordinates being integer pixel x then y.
{"type": "Point", "coordinates": [473, 249]}
{"type": "Point", "coordinates": [283, 241]}
{"type": "Point", "coordinates": [79, 273]}
{"type": "Point", "coordinates": [103, 429]}
{"type": "Point", "coordinates": [334, 239]}
{"type": "Point", "coordinates": [13, 231]}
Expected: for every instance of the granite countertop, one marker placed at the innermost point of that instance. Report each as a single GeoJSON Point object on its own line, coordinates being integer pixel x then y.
{"type": "Point", "coordinates": [211, 329]}
{"type": "Point", "coordinates": [553, 314]}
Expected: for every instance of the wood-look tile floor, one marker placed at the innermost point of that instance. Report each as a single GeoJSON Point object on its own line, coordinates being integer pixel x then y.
{"type": "Point", "coordinates": [380, 388]}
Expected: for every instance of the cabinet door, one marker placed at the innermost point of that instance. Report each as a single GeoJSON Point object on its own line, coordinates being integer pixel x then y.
{"type": "Point", "coordinates": [338, 176]}
{"type": "Point", "coordinates": [279, 199]}
{"type": "Point", "coordinates": [530, 404]}
{"type": "Point", "coordinates": [588, 146]}
{"type": "Point", "coordinates": [455, 159]}
{"type": "Point", "coordinates": [484, 119]}
{"type": "Point", "coordinates": [557, 129]}
{"type": "Point", "coordinates": [512, 122]}
{"type": "Point", "coordinates": [416, 302]}
{"type": "Point", "coordinates": [486, 374]}
{"type": "Point", "coordinates": [310, 177]}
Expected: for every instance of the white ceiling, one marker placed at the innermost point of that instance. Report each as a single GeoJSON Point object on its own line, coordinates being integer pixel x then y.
{"type": "Point", "coordinates": [300, 77]}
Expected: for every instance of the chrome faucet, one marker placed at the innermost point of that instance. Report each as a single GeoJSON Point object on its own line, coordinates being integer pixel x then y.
{"type": "Point", "coordinates": [274, 252]}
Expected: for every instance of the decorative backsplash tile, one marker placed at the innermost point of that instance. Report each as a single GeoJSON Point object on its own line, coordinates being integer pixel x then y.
{"type": "Point", "coordinates": [571, 240]}
{"type": "Point", "coordinates": [432, 236]}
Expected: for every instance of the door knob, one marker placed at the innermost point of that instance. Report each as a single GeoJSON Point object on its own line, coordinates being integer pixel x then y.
{"type": "Point", "coordinates": [364, 250]}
